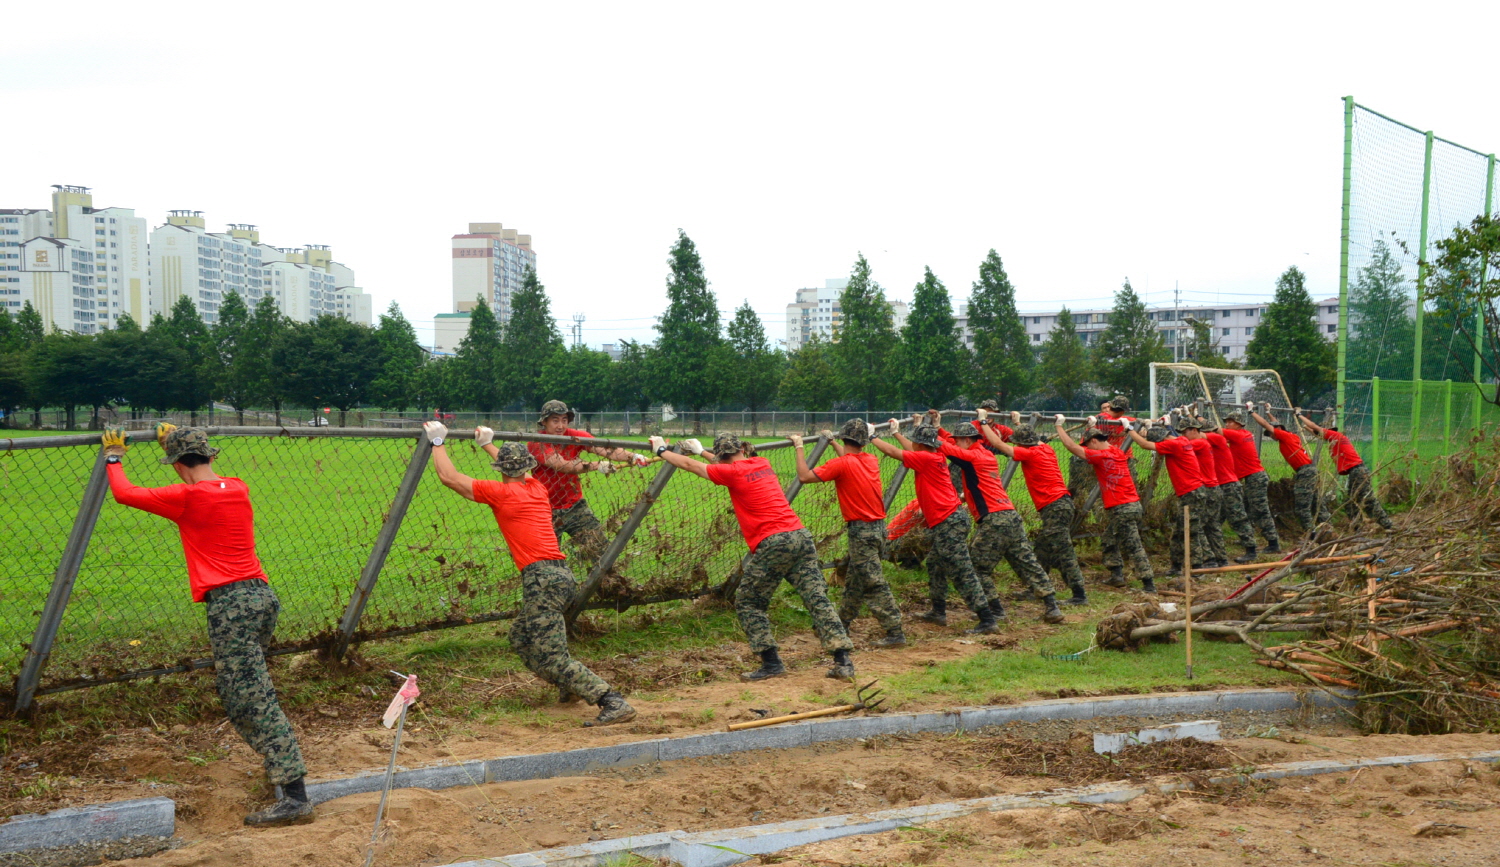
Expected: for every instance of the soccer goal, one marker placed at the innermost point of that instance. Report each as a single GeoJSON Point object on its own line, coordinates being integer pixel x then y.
{"type": "Point", "coordinates": [1214, 391]}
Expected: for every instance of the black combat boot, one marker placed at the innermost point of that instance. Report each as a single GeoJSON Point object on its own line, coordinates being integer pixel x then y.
{"type": "Point", "coordinates": [938, 615]}
{"type": "Point", "coordinates": [1116, 577]}
{"type": "Point", "coordinates": [998, 611]}
{"type": "Point", "coordinates": [893, 638]}
{"type": "Point", "coordinates": [1080, 596]}
{"type": "Point", "coordinates": [1247, 556]}
{"type": "Point", "coordinates": [1274, 547]}
{"type": "Point", "coordinates": [1051, 614]}
{"type": "Point", "coordinates": [1148, 585]}
{"type": "Point", "coordinates": [770, 666]}
{"type": "Point", "coordinates": [843, 666]}
{"type": "Point", "coordinates": [612, 709]}
{"type": "Point", "coordinates": [292, 808]}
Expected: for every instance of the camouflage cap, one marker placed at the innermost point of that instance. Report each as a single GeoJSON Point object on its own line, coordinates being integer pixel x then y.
{"type": "Point", "coordinates": [554, 407]}
{"type": "Point", "coordinates": [1025, 435]}
{"type": "Point", "coordinates": [1157, 433]}
{"type": "Point", "coordinates": [966, 430]}
{"type": "Point", "coordinates": [514, 459]}
{"type": "Point", "coordinates": [187, 441]}
{"type": "Point", "coordinates": [1118, 403]}
{"type": "Point", "coordinates": [855, 431]}
{"type": "Point", "coordinates": [925, 434]}
{"type": "Point", "coordinates": [1092, 433]}
{"type": "Point", "coordinates": [1188, 422]}
{"type": "Point", "coordinates": [726, 444]}
{"type": "Point", "coordinates": [1235, 416]}
{"type": "Point", "coordinates": [990, 405]}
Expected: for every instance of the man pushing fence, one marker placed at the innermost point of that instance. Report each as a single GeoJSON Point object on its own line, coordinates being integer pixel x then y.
{"type": "Point", "coordinates": [558, 469]}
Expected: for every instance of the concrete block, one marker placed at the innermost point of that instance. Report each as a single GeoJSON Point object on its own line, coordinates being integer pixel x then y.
{"type": "Point", "coordinates": [435, 777]}
{"type": "Point", "coordinates": [1113, 742]}
{"type": "Point", "coordinates": [947, 721]}
{"type": "Point", "coordinates": [857, 727]}
{"type": "Point", "coordinates": [721, 743]}
{"type": "Point", "coordinates": [571, 762]}
{"type": "Point", "coordinates": [100, 823]}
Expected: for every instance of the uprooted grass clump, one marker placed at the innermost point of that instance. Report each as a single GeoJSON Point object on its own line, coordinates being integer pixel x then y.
{"type": "Point", "coordinates": [1074, 761]}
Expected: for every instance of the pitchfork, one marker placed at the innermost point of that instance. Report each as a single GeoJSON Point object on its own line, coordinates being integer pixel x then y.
{"type": "Point", "coordinates": [866, 701]}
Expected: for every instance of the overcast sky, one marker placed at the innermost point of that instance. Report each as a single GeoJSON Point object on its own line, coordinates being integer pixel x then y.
{"type": "Point", "coordinates": [1185, 144]}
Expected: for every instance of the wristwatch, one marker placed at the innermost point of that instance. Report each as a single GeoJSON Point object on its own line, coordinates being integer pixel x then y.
{"type": "Point", "coordinates": [437, 442]}
{"type": "Point", "coordinates": [659, 450]}
{"type": "Point", "coordinates": [112, 459]}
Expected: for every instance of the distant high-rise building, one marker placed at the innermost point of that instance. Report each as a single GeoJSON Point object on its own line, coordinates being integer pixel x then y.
{"type": "Point", "coordinates": [489, 262]}
{"type": "Point", "coordinates": [817, 311]}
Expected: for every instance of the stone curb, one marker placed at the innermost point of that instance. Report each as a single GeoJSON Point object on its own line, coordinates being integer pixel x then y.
{"type": "Point", "coordinates": [575, 762]}
{"type": "Point", "coordinates": [147, 817]}
{"type": "Point", "coordinates": [735, 845]}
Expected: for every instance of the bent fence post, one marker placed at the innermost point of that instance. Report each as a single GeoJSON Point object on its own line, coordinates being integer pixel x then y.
{"type": "Point", "coordinates": [355, 611]}
{"type": "Point", "coordinates": [891, 489]}
{"type": "Point", "coordinates": [62, 586]}
{"type": "Point", "coordinates": [617, 545]}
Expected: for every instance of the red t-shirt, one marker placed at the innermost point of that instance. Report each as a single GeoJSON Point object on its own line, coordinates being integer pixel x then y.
{"type": "Point", "coordinates": [1246, 456]}
{"type": "Point", "coordinates": [980, 473]}
{"type": "Point", "coordinates": [525, 517]}
{"type": "Point", "coordinates": [215, 520]}
{"type": "Point", "coordinates": [1223, 459]}
{"type": "Point", "coordinates": [905, 521]}
{"type": "Point", "coordinates": [563, 489]}
{"type": "Point", "coordinates": [1203, 451]}
{"type": "Point", "coordinates": [1291, 448]}
{"type": "Point", "coordinates": [1343, 451]}
{"type": "Point", "coordinates": [1003, 430]}
{"type": "Point", "coordinates": [1116, 432]}
{"type": "Point", "coordinates": [1182, 464]}
{"type": "Point", "coordinates": [1044, 479]}
{"type": "Point", "coordinates": [756, 495]}
{"type": "Point", "coordinates": [1112, 467]}
{"type": "Point", "coordinates": [856, 480]}
{"type": "Point", "coordinates": [934, 487]}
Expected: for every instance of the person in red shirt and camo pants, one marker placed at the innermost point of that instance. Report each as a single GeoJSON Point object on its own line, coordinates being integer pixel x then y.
{"type": "Point", "coordinates": [217, 524]}
{"type": "Point", "coordinates": [780, 549]}
{"type": "Point", "coordinates": [1307, 500]}
{"type": "Point", "coordinates": [559, 469]}
{"type": "Point", "coordinates": [1361, 491]}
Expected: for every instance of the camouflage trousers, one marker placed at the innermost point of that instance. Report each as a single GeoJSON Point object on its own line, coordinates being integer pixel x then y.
{"type": "Point", "coordinates": [579, 522]}
{"type": "Point", "coordinates": [1002, 535]}
{"type": "Point", "coordinates": [1124, 535]}
{"type": "Point", "coordinates": [792, 557]}
{"type": "Point", "coordinates": [1106, 544]}
{"type": "Point", "coordinates": [241, 622]}
{"type": "Point", "coordinates": [1307, 498]}
{"type": "Point", "coordinates": [949, 562]}
{"type": "Point", "coordinates": [865, 583]}
{"type": "Point", "coordinates": [1258, 507]}
{"type": "Point", "coordinates": [1362, 498]}
{"type": "Point", "coordinates": [1232, 512]}
{"type": "Point", "coordinates": [1213, 523]}
{"type": "Point", "coordinates": [1054, 543]}
{"type": "Point", "coordinates": [1081, 478]}
{"type": "Point", "coordinates": [1196, 501]}
{"type": "Point", "coordinates": [539, 634]}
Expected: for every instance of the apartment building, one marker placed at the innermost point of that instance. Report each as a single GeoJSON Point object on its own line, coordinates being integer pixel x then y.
{"type": "Point", "coordinates": [818, 311]}
{"type": "Point", "coordinates": [57, 275]}
{"type": "Point", "coordinates": [489, 262]}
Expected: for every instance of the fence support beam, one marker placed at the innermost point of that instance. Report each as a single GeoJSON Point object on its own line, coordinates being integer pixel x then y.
{"type": "Point", "coordinates": [794, 487]}
{"type": "Point", "coordinates": [616, 546]}
{"type": "Point", "coordinates": [355, 611]}
{"type": "Point", "coordinates": [1374, 425]}
{"type": "Point", "coordinates": [1343, 326]}
{"type": "Point", "coordinates": [63, 580]}
{"type": "Point", "coordinates": [1422, 269]}
{"type": "Point", "coordinates": [893, 488]}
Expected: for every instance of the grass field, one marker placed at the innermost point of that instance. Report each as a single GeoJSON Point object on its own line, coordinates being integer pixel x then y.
{"type": "Point", "coordinates": [320, 503]}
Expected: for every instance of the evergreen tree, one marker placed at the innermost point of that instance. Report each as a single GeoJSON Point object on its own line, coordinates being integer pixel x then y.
{"type": "Point", "coordinates": [1381, 325]}
{"type": "Point", "coordinates": [117, 354]}
{"type": "Point", "coordinates": [10, 334]}
{"type": "Point", "coordinates": [1064, 366]}
{"type": "Point", "coordinates": [1287, 340]}
{"type": "Point", "coordinates": [530, 341]}
{"type": "Point", "coordinates": [401, 356]}
{"type": "Point", "coordinates": [1004, 361]}
{"type": "Point", "coordinates": [475, 374]}
{"type": "Point", "coordinates": [434, 386]}
{"type": "Point", "coordinates": [329, 361]}
{"type": "Point", "coordinates": [192, 381]}
{"type": "Point", "coordinates": [933, 358]}
{"type": "Point", "coordinates": [69, 370]}
{"type": "Point", "coordinates": [809, 382]}
{"type": "Point", "coordinates": [1126, 348]}
{"type": "Point", "coordinates": [867, 340]}
{"type": "Point", "coordinates": [756, 368]}
{"type": "Point", "coordinates": [582, 375]}
{"type": "Point", "coordinates": [29, 326]}
{"type": "Point", "coordinates": [628, 377]}
{"type": "Point", "coordinates": [265, 331]}
{"type": "Point", "coordinates": [689, 347]}
{"type": "Point", "coordinates": [230, 340]}
{"type": "Point", "coordinates": [13, 390]}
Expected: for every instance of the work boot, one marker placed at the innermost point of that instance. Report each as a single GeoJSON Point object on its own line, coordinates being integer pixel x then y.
{"type": "Point", "coordinates": [938, 616]}
{"type": "Point", "coordinates": [843, 666]}
{"type": "Point", "coordinates": [566, 696]}
{"type": "Point", "coordinates": [612, 709]}
{"type": "Point", "coordinates": [1080, 596]}
{"type": "Point", "coordinates": [292, 808]}
{"type": "Point", "coordinates": [1051, 614]}
{"type": "Point", "coordinates": [987, 624]}
{"type": "Point", "coordinates": [1148, 585]}
{"type": "Point", "coordinates": [1274, 547]}
{"type": "Point", "coordinates": [1248, 556]}
{"type": "Point", "coordinates": [1116, 577]}
{"type": "Point", "coordinates": [770, 666]}
{"type": "Point", "coordinates": [998, 610]}
{"type": "Point", "coordinates": [893, 638]}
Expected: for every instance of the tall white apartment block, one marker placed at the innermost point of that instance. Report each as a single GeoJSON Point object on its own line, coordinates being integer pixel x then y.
{"type": "Point", "coordinates": [58, 277]}
{"type": "Point", "coordinates": [818, 311]}
{"type": "Point", "coordinates": [489, 262]}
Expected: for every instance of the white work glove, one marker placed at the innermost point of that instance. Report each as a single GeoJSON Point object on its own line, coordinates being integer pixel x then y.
{"type": "Point", "coordinates": [1250, 406]}
{"type": "Point", "coordinates": [1093, 421]}
{"type": "Point", "coordinates": [895, 425]}
{"type": "Point", "coordinates": [982, 413]}
{"type": "Point", "coordinates": [638, 460]}
{"type": "Point", "coordinates": [657, 443]}
{"type": "Point", "coordinates": [1058, 419]}
{"type": "Point", "coordinates": [436, 432]}
{"type": "Point", "coordinates": [692, 447]}
{"type": "Point", "coordinates": [483, 436]}
{"type": "Point", "coordinates": [1125, 423]}
{"type": "Point", "coordinates": [1297, 411]}
{"type": "Point", "coordinates": [870, 430]}
{"type": "Point", "coordinates": [605, 468]}
{"type": "Point", "coordinates": [796, 441]}
{"type": "Point", "coordinates": [1015, 417]}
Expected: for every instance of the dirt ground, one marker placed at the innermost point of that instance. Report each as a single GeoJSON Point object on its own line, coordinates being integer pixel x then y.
{"type": "Point", "coordinates": [1417, 816]}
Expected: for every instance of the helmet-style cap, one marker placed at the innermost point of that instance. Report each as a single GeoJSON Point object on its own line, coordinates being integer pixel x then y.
{"type": "Point", "coordinates": [1118, 403]}
{"type": "Point", "coordinates": [514, 459]}
{"type": "Point", "coordinates": [187, 441]}
{"type": "Point", "coordinates": [925, 434]}
{"type": "Point", "coordinates": [726, 444]}
{"type": "Point", "coordinates": [1092, 433]}
{"type": "Point", "coordinates": [554, 407]}
{"type": "Point", "coordinates": [1188, 422]}
{"type": "Point", "coordinates": [1235, 416]}
{"type": "Point", "coordinates": [1157, 433]}
{"type": "Point", "coordinates": [855, 431]}
{"type": "Point", "coordinates": [966, 430]}
{"type": "Point", "coordinates": [1025, 435]}
{"type": "Point", "coordinates": [990, 405]}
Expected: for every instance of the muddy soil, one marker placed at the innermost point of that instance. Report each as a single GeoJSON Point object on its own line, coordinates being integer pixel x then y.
{"type": "Point", "coordinates": [1418, 816]}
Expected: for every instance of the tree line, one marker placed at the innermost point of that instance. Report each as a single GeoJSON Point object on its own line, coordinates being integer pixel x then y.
{"type": "Point", "coordinates": [254, 357]}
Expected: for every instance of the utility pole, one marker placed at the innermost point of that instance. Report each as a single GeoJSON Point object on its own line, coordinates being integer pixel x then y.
{"type": "Point", "coordinates": [578, 319]}
{"type": "Point", "coordinates": [1177, 320]}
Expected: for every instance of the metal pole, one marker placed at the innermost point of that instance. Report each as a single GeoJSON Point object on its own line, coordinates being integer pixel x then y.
{"type": "Point", "coordinates": [616, 546]}
{"type": "Point", "coordinates": [40, 649]}
{"type": "Point", "coordinates": [891, 489]}
{"type": "Point", "coordinates": [1447, 417]}
{"type": "Point", "coordinates": [355, 610]}
{"type": "Point", "coordinates": [1374, 424]}
{"type": "Point", "coordinates": [1489, 205]}
{"type": "Point", "coordinates": [1422, 268]}
{"type": "Point", "coordinates": [794, 487]}
{"type": "Point", "coordinates": [1343, 335]}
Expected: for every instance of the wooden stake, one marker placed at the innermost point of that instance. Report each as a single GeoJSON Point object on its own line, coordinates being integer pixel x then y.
{"type": "Point", "coordinates": [1187, 580]}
